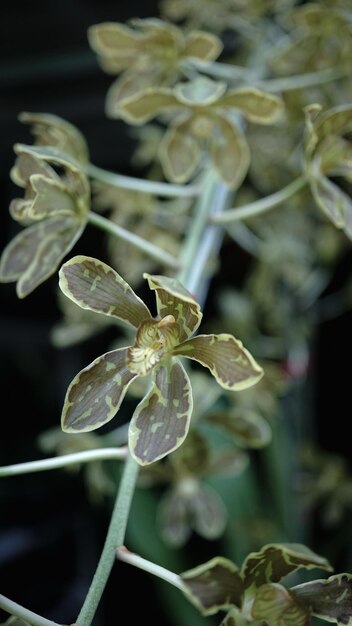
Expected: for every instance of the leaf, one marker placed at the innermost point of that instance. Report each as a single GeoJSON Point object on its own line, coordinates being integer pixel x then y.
{"type": "Point", "coordinates": [230, 363]}
{"type": "Point", "coordinates": [257, 106]}
{"type": "Point", "coordinates": [248, 428]}
{"type": "Point", "coordinates": [161, 421]}
{"type": "Point", "coordinates": [146, 104]}
{"type": "Point", "coordinates": [274, 561]}
{"type": "Point", "coordinates": [95, 286]}
{"type": "Point", "coordinates": [329, 599]}
{"type": "Point", "coordinates": [202, 45]}
{"type": "Point", "coordinates": [230, 153]}
{"type": "Point", "coordinates": [173, 299]}
{"type": "Point", "coordinates": [96, 392]}
{"type": "Point", "coordinates": [213, 586]}
{"type": "Point", "coordinates": [179, 154]}
{"type": "Point", "coordinates": [275, 605]}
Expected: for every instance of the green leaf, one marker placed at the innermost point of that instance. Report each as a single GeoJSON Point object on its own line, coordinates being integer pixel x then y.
{"type": "Point", "coordinates": [230, 363]}
{"type": "Point", "coordinates": [161, 421]}
{"type": "Point", "coordinates": [329, 599]}
{"type": "Point", "coordinates": [95, 286]}
{"type": "Point", "coordinates": [213, 586]}
{"type": "Point", "coordinates": [146, 104]}
{"type": "Point", "coordinates": [96, 392]}
{"type": "Point", "coordinates": [35, 253]}
{"type": "Point", "coordinates": [275, 605]}
{"type": "Point", "coordinates": [230, 153]}
{"type": "Point", "coordinates": [274, 561]}
{"type": "Point", "coordinates": [257, 106]}
{"type": "Point", "coordinates": [248, 428]}
{"type": "Point", "coordinates": [173, 299]}
{"type": "Point", "coordinates": [179, 154]}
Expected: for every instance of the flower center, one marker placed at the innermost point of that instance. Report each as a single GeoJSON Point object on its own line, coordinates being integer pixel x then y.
{"type": "Point", "coordinates": [154, 340]}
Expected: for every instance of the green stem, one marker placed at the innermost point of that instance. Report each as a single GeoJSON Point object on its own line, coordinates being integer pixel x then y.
{"type": "Point", "coordinates": [43, 465]}
{"type": "Point", "coordinates": [19, 611]}
{"type": "Point", "coordinates": [115, 537]}
{"type": "Point", "coordinates": [234, 73]}
{"type": "Point", "coordinates": [134, 559]}
{"type": "Point", "coordinates": [260, 206]}
{"type": "Point", "coordinates": [202, 238]}
{"type": "Point", "coordinates": [138, 184]}
{"type": "Point", "coordinates": [149, 248]}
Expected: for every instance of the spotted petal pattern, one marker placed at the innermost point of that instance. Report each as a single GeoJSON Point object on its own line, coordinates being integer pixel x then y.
{"type": "Point", "coordinates": [95, 394]}
{"type": "Point", "coordinates": [214, 585]}
{"type": "Point", "coordinates": [95, 286]}
{"type": "Point", "coordinates": [230, 363]}
{"type": "Point", "coordinates": [161, 421]}
{"type": "Point", "coordinates": [173, 299]}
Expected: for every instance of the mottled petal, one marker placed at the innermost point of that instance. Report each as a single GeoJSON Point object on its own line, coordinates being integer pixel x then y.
{"type": "Point", "coordinates": [200, 92]}
{"type": "Point", "coordinates": [230, 153]}
{"type": "Point", "coordinates": [179, 154]}
{"type": "Point", "coordinates": [115, 40]}
{"type": "Point", "coordinates": [202, 45]}
{"type": "Point", "coordinates": [173, 299]}
{"type": "Point", "coordinates": [248, 428]}
{"type": "Point", "coordinates": [35, 253]}
{"type": "Point", "coordinates": [96, 392]}
{"type": "Point", "coordinates": [275, 605]}
{"type": "Point", "coordinates": [52, 130]}
{"type": "Point", "coordinates": [174, 519]}
{"type": "Point", "coordinates": [274, 561]}
{"type": "Point", "coordinates": [213, 586]}
{"type": "Point", "coordinates": [26, 165]}
{"type": "Point", "coordinates": [256, 105]}
{"type": "Point", "coordinates": [330, 599]}
{"type": "Point", "coordinates": [95, 286]}
{"type": "Point", "coordinates": [209, 512]}
{"type": "Point", "coordinates": [335, 203]}
{"type": "Point", "coordinates": [229, 362]}
{"type": "Point", "coordinates": [146, 104]}
{"type": "Point", "coordinates": [52, 198]}
{"type": "Point", "coordinates": [128, 85]}
{"type": "Point", "coordinates": [161, 421]}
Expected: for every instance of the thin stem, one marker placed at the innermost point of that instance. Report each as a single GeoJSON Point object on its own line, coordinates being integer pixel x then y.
{"type": "Point", "coordinates": [144, 185]}
{"type": "Point", "coordinates": [86, 456]}
{"type": "Point", "coordinates": [149, 248]}
{"type": "Point", "coordinates": [115, 537]}
{"type": "Point", "coordinates": [134, 559]}
{"type": "Point", "coordinates": [260, 206]}
{"type": "Point", "coordinates": [19, 611]}
{"type": "Point", "coordinates": [234, 73]}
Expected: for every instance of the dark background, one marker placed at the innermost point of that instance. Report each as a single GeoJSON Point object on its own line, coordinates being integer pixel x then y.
{"type": "Point", "coordinates": [50, 535]}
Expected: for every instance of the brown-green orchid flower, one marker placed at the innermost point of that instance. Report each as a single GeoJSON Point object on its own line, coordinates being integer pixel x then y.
{"type": "Point", "coordinates": [206, 117]}
{"type": "Point", "coordinates": [54, 212]}
{"type": "Point", "coordinates": [149, 53]}
{"type": "Point", "coordinates": [253, 593]}
{"type": "Point", "coordinates": [161, 420]}
{"type": "Point", "coordinates": [328, 153]}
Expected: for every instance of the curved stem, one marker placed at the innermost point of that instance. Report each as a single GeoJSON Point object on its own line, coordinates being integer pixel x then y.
{"type": "Point", "coordinates": [86, 456]}
{"type": "Point", "coordinates": [142, 244]}
{"type": "Point", "coordinates": [134, 559]}
{"type": "Point", "coordinates": [114, 537]}
{"type": "Point", "coordinates": [19, 611]}
{"type": "Point", "coordinates": [260, 206]}
{"type": "Point", "coordinates": [144, 185]}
